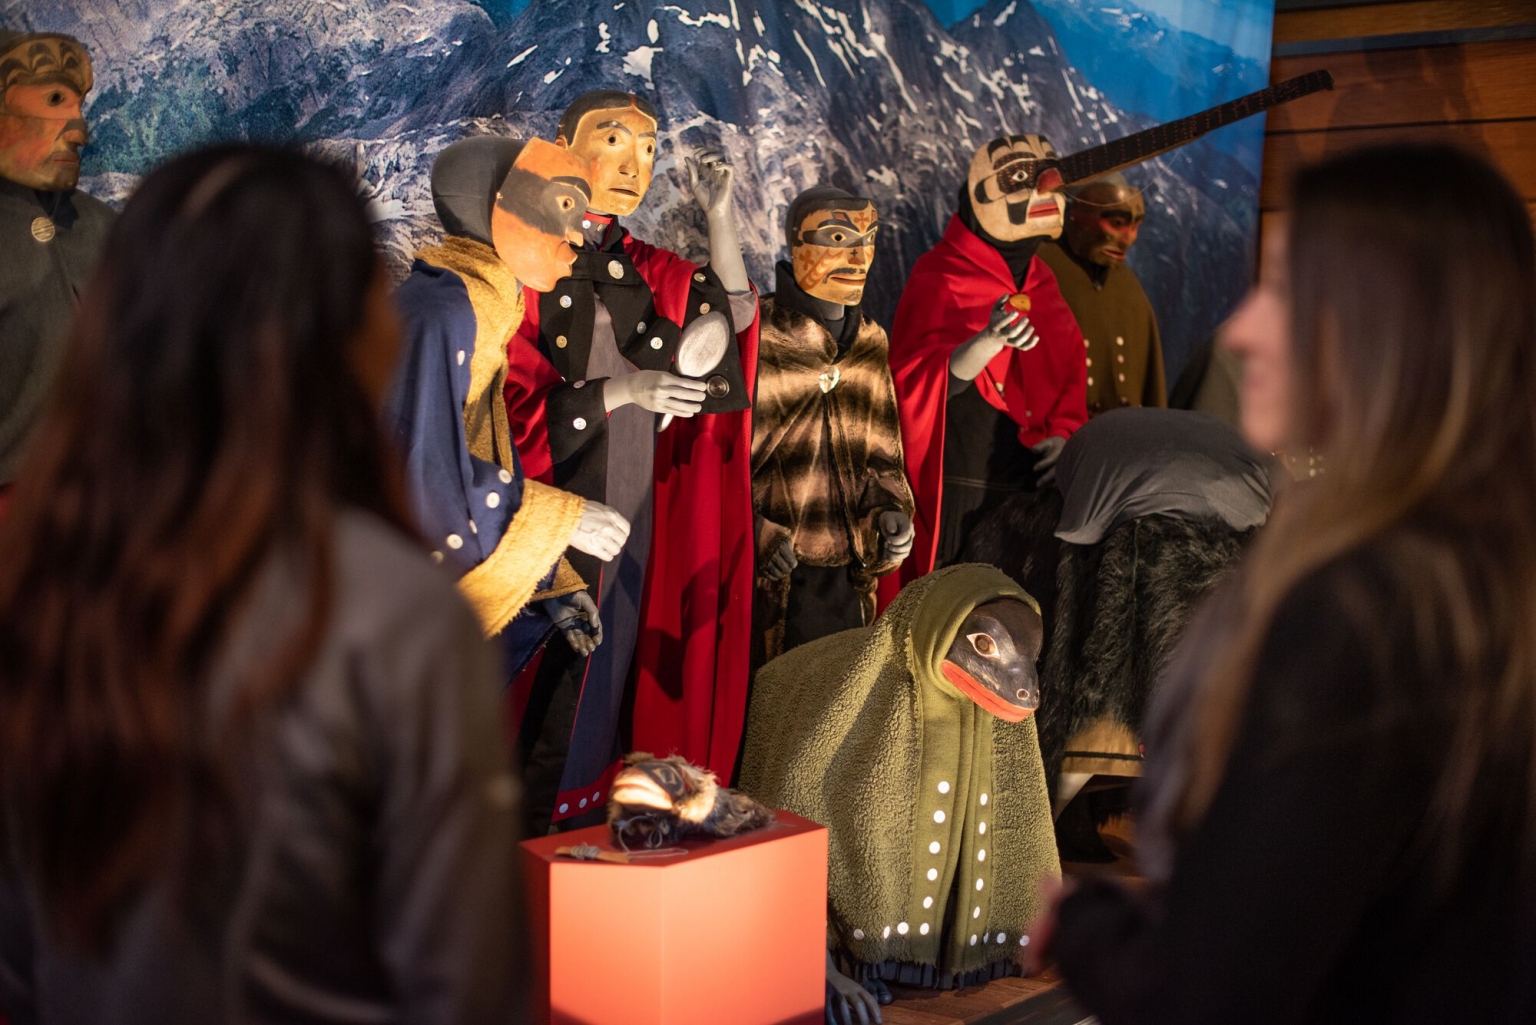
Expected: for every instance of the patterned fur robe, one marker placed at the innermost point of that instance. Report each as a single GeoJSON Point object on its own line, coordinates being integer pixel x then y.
{"type": "Point", "coordinates": [826, 451]}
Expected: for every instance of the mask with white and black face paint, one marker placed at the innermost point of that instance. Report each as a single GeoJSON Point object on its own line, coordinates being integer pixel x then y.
{"type": "Point", "coordinates": [1014, 186]}
{"type": "Point", "coordinates": [993, 658]}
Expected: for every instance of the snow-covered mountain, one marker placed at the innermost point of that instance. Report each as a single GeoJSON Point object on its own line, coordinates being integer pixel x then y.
{"type": "Point", "coordinates": [872, 95]}
{"type": "Point", "coordinates": [1159, 69]}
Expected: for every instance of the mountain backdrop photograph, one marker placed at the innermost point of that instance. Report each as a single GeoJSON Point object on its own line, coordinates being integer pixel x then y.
{"type": "Point", "coordinates": [886, 98]}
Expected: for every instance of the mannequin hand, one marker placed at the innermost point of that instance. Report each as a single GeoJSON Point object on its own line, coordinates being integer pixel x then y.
{"type": "Point", "coordinates": [897, 533]}
{"type": "Point", "coordinates": [848, 1003]}
{"type": "Point", "coordinates": [779, 561]}
{"type": "Point", "coordinates": [709, 177]}
{"type": "Point", "coordinates": [601, 531]}
{"type": "Point", "coordinates": [1010, 327]}
{"type": "Point", "coordinates": [575, 614]}
{"type": "Point", "coordinates": [655, 390]}
{"type": "Point", "coordinates": [1047, 452]}
{"type": "Point", "coordinates": [1006, 327]}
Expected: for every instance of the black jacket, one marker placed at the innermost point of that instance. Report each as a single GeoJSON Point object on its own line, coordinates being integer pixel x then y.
{"type": "Point", "coordinates": [1305, 895]}
{"type": "Point", "coordinates": [374, 877]}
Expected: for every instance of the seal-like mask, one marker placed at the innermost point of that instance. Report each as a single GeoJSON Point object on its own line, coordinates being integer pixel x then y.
{"type": "Point", "coordinates": [992, 660]}
{"type": "Point", "coordinates": [1014, 188]}
{"type": "Point", "coordinates": [538, 213]}
{"type": "Point", "coordinates": [43, 81]}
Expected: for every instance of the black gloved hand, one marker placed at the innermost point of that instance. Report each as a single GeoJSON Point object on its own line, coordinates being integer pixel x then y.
{"type": "Point", "coordinates": [779, 561]}
{"type": "Point", "coordinates": [1047, 452]}
{"type": "Point", "coordinates": [575, 615]}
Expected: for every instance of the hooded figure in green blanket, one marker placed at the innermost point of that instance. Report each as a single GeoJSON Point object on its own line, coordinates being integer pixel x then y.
{"type": "Point", "coordinates": [911, 740]}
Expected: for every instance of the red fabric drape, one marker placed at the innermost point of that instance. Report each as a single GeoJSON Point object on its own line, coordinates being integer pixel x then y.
{"type": "Point", "coordinates": [948, 298]}
{"type": "Point", "coordinates": [691, 658]}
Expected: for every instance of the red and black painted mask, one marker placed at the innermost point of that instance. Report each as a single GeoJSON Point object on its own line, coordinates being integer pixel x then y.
{"type": "Point", "coordinates": [993, 658]}
{"type": "Point", "coordinates": [1103, 220]}
{"type": "Point", "coordinates": [43, 82]}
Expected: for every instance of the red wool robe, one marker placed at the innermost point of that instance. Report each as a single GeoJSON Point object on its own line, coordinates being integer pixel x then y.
{"type": "Point", "coordinates": [948, 298]}
{"type": "Point", "coordinates": [691, 657]}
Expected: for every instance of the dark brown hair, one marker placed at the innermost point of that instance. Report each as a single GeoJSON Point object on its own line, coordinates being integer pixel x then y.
{"type": "Point", "coordinates": [206, 416]}
{"type": "Point", "coordinates": [1413, 342]}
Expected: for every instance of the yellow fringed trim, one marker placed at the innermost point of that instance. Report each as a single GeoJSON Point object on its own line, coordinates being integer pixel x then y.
{"type": "Point", "coordinates": [499, 587]}
{"type": "Point", "coordinates": [567, 581]}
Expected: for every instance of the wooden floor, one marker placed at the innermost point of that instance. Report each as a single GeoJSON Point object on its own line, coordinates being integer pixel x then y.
{"type": "Point", "coordinates": [1038, 1000]}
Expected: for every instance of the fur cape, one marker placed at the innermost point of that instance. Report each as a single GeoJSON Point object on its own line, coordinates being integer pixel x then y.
{"type": "Point", "coordinates": [826, 450]}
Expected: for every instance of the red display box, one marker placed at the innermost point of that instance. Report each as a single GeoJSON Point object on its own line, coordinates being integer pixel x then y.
{"type": "Point", "coordinates": [729, 930]}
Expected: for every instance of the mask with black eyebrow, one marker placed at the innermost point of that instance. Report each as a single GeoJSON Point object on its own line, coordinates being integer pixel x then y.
{"type": "Point", "coordinates": [616, 132]}
{"type": "Point", "coordinates": [1014, 188]}
{"type": "Point", "coordinates": [992, 660]}
{"type": "Point", "coordinates": [831, 244]}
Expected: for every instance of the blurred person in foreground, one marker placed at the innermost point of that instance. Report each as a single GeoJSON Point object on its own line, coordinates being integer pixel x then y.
{"type": "Point", "coordinates": [1338, 817]}
{"type": "Point", "coordinates": [251, 760]}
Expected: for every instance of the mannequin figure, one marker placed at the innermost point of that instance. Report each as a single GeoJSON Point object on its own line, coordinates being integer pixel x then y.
{"type": "Point", "coordinates": [52, 232]}
{"type": "Point", "coordinates": [591, 375]}
{"type": "Point", "coordinates": [985, 354]}
{"type": "Point", "coordinates": [1124, 352]}
{"type": "Point", "coordinates": [834, 511]}
{"type": "Point", "coordinates": [912, 741]}
{"type": "Point", "coordinates": [506, 207]}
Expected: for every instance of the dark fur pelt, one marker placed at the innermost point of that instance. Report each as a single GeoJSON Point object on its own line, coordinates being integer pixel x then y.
{"type": "Point", "coordinates": [1113, 611]}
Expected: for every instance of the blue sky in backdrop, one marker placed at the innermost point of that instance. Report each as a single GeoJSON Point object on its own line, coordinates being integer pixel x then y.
{"type": "Point", "coordinates": [1242, 25]}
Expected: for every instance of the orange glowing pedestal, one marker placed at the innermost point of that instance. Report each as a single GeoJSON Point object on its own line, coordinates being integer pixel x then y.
{"type": "Point", "coordinates": [731, 930]}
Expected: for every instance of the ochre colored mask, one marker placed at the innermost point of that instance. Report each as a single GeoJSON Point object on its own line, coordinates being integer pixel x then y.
{"type": "Point", "coordinates": [620, 143]}
{"type": "Point", "coordinates": [538, 213]}
{"type": "Point", "coordinates": [43, 81]}
{"type": "Point", "coordinates": [832, 251]}
{"type": "Point", "coordinates": [1103, 222]}
{"type": "Point", "coordinates": [1015, 188]}
{"type": "Point", "coordinates": [992, 660]}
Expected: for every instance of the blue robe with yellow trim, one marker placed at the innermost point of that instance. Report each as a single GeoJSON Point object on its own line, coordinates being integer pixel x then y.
{"type": "Point", "coordinates": [502, 534]}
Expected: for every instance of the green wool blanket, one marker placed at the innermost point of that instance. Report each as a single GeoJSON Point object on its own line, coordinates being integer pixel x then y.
{"type": "Point", "coordinates": [939, 819]}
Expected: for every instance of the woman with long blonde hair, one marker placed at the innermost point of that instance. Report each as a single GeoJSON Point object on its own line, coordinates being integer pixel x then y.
{"type": "Point", "coordinates": [1339, 812]}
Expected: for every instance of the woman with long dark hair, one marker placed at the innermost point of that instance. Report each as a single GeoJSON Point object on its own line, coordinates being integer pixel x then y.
{"type": "Point", "coordinates": [250, 761]}
{"type": "Point", "coordinates": [1339, 813]}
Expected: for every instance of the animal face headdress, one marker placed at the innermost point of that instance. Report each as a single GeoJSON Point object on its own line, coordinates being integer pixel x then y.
{"type": "Point", "coordinates": [657, 801]}
{"type": "Point", "coordinates": [831, 243]}
{"type": "Point", "coordinates": [43, 82]}
{"type": "Point", "coordinates": [616, 132]}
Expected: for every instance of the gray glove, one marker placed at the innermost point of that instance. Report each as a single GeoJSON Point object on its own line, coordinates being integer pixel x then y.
{"type": "Point", "coordinates": [896, 530]}
{"type": "Point", "coordinates": [1047, 452]}
{"type": "Point", "coordinates": [576, 616]}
